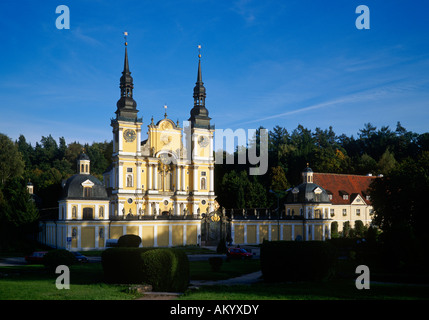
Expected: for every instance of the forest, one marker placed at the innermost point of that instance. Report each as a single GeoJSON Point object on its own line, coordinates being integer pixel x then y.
{"type": "Point", "coordinates": [394, 153]}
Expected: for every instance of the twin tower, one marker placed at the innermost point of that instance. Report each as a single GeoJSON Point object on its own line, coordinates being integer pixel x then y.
{"type": "Point", "coordinates": [162, 175]}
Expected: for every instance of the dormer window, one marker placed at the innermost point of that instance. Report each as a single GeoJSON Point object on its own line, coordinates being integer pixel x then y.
{"type": "Point", "coordinates": [344, 195]}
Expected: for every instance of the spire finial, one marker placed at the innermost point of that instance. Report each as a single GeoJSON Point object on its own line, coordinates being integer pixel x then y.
{"type": "Point", "coordinates": [125, 37]}
{"type": "Point", "coordinates": [199, 51]}
{"type": "Point", "coordinates": [165, 108]}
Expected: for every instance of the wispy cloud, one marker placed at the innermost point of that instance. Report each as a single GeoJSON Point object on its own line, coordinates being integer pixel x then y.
{"type": "Point", "coordinates": [366, 95]}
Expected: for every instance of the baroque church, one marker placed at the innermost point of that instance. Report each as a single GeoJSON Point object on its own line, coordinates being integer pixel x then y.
{"type": "Point", "coordinates": [162, 189]}
{"type": "Point", "coordinates": [157, 188]}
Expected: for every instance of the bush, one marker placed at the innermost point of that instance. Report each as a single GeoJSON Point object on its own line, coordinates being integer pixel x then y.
{"type": "Point", "coordinates": [129, 240]}
{"type": "Point", "coordinates": [297, 260]}
{"type": "Point", "coordinates": [123, 265]}
{"type": "Point", "coordinates": [215, 263]}
{"type": "Point", "coordinates": [166, 269]}
{"type": "Point", "coordinates": [54, 258]}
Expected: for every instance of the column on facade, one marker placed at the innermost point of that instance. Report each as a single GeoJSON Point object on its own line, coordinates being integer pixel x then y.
{"type": "Point", "coordinates": [139, 141]}
{"type": "Point", "coordinates": [211, 179]}
{"type": "Point", "coordinates": [183, 178]}
{"type": "Point", "coordinates": [120, 139]}
{"type": "Point", "coordinates": [195, 176]}
{"type": "Point", "coordinates": [120, 208]}
{"type": "Point", "coordinates": [149, 177]}
{"type": "Point", "coordinates": [149, 208]}
{"type": "Point", "coordinates": [155, 177]}
{"type": "Point", "coordinates": [120, 175]}
{"type": "Point", "coordinates": [139, 176]}
{"type": "Point", "coordinates": [178, 174]}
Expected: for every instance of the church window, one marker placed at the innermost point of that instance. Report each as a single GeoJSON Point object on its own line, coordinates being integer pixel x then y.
{"type": "Point", "coordinates": [358, 212]}
{"type": "Point", "coordinates": [203, 173]}
{"type": "Point", "coordinates": [129, 169]}
{"type": "Point", "coordinates": [101, 212]}
{"type": "Point", "coordinates": [86, 169]}
{"type": "Point", "coordinates": [332, 212]}
{"type": "Point", "coordinates": [74, 213]}
{"type": "Point", "coordinates": [317, 197]}
{"type": "Point", "coordinates": [344, 212]}
{"type": "Point", "coordinates": [82, 168]}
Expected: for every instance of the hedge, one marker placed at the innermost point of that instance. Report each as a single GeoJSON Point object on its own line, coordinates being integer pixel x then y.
{"type": "Point", "coordinates": [165, 269]}
{"type": "Point", "coordinates": [297, 260]}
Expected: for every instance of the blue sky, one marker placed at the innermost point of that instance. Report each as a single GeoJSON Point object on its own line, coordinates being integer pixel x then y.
{"type": "Point", "coordinates": [265, 63]}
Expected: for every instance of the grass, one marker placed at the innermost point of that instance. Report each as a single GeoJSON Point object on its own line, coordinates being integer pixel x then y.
{"type": "Point", "coordinates": [35, 283]}
{"type": "Point", "coordinates": [201, 270]}
{"type": "Point", "coordinates": [332, 290]}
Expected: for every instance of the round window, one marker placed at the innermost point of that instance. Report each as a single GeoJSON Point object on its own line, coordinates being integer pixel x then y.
{"type": "Point", "coordinates": [203, 202]}
{"type": "Point", "coordinates": [130, 200]}
{"type": "Point", "coordinates": [165, 202]}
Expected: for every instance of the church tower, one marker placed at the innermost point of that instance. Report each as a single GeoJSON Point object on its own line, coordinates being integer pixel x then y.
{"type": "Point", "coordinates": [202, 144]}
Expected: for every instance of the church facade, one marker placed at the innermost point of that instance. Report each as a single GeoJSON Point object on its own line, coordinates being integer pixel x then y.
{"type": "Point", "coordinates": [157, 188]}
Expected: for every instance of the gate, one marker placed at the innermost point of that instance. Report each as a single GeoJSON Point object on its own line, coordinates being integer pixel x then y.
{"type": "Point", "coordinates": [214, 227]}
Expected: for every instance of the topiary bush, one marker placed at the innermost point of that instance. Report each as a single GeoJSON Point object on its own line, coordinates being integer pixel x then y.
{"type": "Point", "coordinates": [129, 240]}
{"type": "Point", "coordinates": [122, 265]}
{"type": "Point", "coordinates": [166, 269]}
{"type": "Point", "coordinates": [54, 258]}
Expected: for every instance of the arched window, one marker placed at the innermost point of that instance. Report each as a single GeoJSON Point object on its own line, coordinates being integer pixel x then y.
{"type": "Point", "coordinates": [101, 212]}
{"type": "Point", "coordinates": [86, 168]}
{"type": "Point", "coordinates": [74, 213]}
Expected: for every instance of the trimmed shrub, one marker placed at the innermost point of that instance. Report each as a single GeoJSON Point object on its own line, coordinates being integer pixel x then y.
{"type": "Point", "coordinates": [129, 240]}
{"type": "Point", "coordinates": [122, 265]}
{"type": "Point", "coordinates": [54, 258]}
{"type": "Point", "coordinates": [297, 260]}
{"type": "Point", "coordinates": [215, 263]}
{"type": "Point", "coordinates": [166, 269]}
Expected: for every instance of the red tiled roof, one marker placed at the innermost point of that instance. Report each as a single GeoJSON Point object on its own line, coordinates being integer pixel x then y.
{"type": "Point", "coordinates": [337, 184]}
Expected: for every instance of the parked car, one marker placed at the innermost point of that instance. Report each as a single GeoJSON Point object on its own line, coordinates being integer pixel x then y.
{"type": "Point", "coordinates": [36, 257]}
{"type": "Point", "coordinates": [238, 253]}
{"type": "Point", "coordinates": [80, 257]}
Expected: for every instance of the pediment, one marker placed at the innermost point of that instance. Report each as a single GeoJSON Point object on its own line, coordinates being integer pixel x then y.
{"type": "Point", "coordinates": [87, 183]}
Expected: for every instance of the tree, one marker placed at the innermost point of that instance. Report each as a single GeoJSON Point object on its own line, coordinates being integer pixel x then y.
{"type": "Point", "coordinates": [399, 197]}
{"type": "Point", "coordinates": [11, 162]}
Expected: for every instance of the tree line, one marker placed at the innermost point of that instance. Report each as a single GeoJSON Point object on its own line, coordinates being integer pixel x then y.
{"type": "Point", "coordinates": [373, 150]}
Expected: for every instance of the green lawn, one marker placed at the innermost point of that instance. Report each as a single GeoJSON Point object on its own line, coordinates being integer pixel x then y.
{"type": "Point", "coordinates": [332, 290]}
{"type": "Point", "coordinates": [201, 270]}
{"type": "Point", "coordinates": [33, 282]}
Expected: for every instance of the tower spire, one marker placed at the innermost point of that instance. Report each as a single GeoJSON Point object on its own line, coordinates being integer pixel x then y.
{"type": "Point", "coordinates": [199, 113]}
{"type": "Point", "coordinates": [126, 105]}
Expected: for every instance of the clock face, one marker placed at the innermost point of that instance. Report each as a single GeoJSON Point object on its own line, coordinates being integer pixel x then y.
{"type": "Point", "coordinates": [165, 159]}
{"type": "Point", "coordinates": [129, 135]}
{"type": "Point", "coordinates": [203, 141]}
